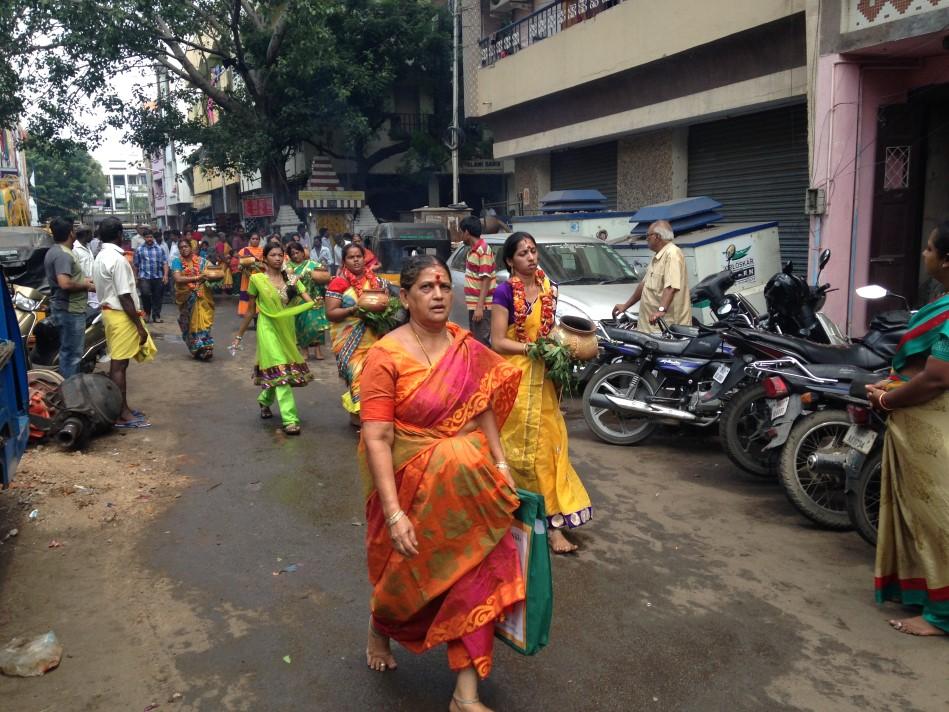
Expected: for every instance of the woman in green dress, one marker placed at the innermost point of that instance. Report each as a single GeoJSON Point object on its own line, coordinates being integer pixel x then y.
{"type": "Point", "coordinates": [279, 298]}
{"type": "Point", "coordinates": [312, 325]}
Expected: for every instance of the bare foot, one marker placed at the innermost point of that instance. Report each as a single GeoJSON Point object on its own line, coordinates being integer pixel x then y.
{"type": "Point", "coordinates": [916, 626]}
{"type": "Point", "coordinates": [460, 705]}
{"type": "Point", "coordinates": [379, 653]}
{"type": "Point", "coordinates": [559, 544]}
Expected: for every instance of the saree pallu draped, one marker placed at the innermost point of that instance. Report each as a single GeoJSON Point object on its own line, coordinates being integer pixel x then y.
{"type": "Point", "coordinates": [246, 273]}
{"type": "Point", "coordinates": [311, 326]}
{"type": "Point", "coordinates": [467, 571]}
{"type": "Point", "coordinates": [351, 341]}
{"type": "Point", "coordinates": [195, 309]}
{"type": "Point", "coordinates": [535, 439]}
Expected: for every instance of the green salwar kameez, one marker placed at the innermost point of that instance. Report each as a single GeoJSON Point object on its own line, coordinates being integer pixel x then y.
{"type": "Point", "coordinates": [311, 325]}
{"type": "Point", "coordinates": [280, 366]}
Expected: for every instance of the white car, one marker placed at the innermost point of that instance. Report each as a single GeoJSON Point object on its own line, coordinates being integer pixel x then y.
{"type": "Point", "coordinates": [591, 276]}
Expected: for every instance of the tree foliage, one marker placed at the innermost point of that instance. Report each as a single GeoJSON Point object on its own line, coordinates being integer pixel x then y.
{"type": "Point", "coordinates": [272, 74]}
{"type": "Point", "coordinates": [67, 178]}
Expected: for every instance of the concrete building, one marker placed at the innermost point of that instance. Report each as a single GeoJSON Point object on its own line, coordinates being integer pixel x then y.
{"type": "Point", "coordinates": [880, 112]}
{"type": "Point", "coordinates": [127, 197]}
{"type": "Point", "coordinates": [751, 102]}
{"type": "Point", "coordinates": [169, 187]}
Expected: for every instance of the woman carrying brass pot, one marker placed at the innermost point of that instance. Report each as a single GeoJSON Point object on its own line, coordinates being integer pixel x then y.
{"type": "Point", "coordinates": [195, 300]}
{"type": "Point", "coordinates": [312, 325]}
{"type": "Point", "coordinates": [535, 434]}
{"type": "Point", "coordinates": [351, 336]}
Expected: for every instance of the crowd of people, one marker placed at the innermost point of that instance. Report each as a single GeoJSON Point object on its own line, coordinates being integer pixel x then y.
{"type": "Point", "coordinates": [452, 422]}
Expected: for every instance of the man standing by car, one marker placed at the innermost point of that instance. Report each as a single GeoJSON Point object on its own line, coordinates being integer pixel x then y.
{"type": "Point", "coordinates": [664, 291]}
{"type": "Point", "coordinates": [125, 334]}
{"type": "Point", "coordinates": [151, 265]}
{"type": "Point", "coordinates": [480, 279]}
{"type": "Point", "coordinates": [69, 290]}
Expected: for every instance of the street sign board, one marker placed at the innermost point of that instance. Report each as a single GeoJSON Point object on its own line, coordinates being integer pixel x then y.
{"type": "Point", "coordinates": [258, 206]}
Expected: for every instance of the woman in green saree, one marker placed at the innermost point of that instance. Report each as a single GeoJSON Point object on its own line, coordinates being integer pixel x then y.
{"type": "Point", "coordinates": [312, 325]}
{"type": "Point", "coordinates": [912, 558]}
{"type": "Point", "coordinates": [279, 298]}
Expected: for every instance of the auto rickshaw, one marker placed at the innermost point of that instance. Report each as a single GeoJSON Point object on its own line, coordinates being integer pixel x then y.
{"type": "Point", "coordinates": [393, 242]}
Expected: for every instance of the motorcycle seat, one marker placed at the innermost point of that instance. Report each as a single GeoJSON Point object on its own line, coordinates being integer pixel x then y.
{"type": "Point", "coordinates": [853, 354]}
{"type": "Point", "coordinates": [641, 338]}
{"type": "Point", "coordinates": [683, 330]}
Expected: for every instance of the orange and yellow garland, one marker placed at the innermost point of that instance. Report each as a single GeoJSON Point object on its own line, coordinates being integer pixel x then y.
{"type": "Point", "coordinates": [520, 307]}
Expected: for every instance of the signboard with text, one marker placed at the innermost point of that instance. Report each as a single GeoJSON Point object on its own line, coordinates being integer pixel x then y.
{"type": "Point", "coordinates": [259, 206]}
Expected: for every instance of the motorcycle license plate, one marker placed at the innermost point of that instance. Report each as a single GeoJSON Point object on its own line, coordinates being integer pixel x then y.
{"type": "Point", "coordinates": [721, 373]}
{"type": "Point", "coordinates": [779, 407]}
{"type": "Point", "coordinates": [860, 438]}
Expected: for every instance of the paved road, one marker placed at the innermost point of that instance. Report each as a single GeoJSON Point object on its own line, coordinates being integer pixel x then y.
{"type": "Point", "coordinates": [696, 589]}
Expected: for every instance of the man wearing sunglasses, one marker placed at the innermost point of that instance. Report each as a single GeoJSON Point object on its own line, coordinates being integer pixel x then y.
{"type": "Point", "coordinates": [664, 291]}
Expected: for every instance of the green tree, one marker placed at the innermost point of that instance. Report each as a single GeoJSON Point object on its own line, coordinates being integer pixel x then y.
{"type": "Point", "coordinates": [302, 71]}
{"type": "Point", "coordinates": [67, 178]}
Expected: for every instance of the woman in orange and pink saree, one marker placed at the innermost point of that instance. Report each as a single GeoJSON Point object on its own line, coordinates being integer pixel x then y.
{"type": "Point", "coordinates": [440, 501]}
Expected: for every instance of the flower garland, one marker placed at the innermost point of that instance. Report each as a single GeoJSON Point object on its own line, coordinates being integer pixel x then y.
{"type": "Point", "coordinates": [519, 297]}
{"type": "Point", "coordinates": [191, 268]}
{"type": "Point", "coordinates": [357, 282]}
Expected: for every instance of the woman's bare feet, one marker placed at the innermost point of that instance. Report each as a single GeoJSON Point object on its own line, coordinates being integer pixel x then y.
{"type": "Point", "coordinates": [379, 652]}
{"type": "Point", "coordinates": [461, 705]}
{"type": "Point", "coordinates": [559, 544]}
{"type": "Point", "coordinates": [916, 626]}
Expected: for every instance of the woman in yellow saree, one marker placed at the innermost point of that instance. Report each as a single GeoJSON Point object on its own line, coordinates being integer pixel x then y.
{"type": "Point", "coordinates": [442, 561]}
{"type": "Point", "coordinates": [251, 260]}
{"type": "Point", "coordinates": [912, 559]}
{"type": "Point", "coordinates": [535, 435]}
{"type": "Point", "coordinates": [351, 337]}
{"type": "Point", "coordinates": [195, 302]}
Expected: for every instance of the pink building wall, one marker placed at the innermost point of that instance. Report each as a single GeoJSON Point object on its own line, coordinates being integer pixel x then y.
{"type": "Point", "coordinates": [848, 92]}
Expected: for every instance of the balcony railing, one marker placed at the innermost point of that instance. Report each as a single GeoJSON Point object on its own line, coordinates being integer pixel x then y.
{"type": "Point", "coordinates": [408, 124]}
{"type": "Point", "coordinates": [546, 22]}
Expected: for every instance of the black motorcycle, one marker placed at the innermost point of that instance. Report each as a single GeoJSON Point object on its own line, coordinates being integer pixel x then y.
{"type": "Point", "coordinates": [816, 422]}
{"type": "Point", "coordinates": [752, 435]}
{"type": "Point", "coordinates": [641, 380]}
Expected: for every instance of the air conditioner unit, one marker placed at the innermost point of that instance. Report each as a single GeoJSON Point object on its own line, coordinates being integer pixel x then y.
{"type": "Point", "coordinates": [505, 7]}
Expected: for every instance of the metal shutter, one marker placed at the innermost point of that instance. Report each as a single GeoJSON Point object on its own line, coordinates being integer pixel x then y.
{"type": "Point", "coordinates": [756, 166]}
{"type": "Point", "coordinates": [585, 168]}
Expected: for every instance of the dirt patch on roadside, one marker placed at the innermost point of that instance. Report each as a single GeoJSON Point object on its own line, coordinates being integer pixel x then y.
{"type": "Point", "coordinates": [71, 568]}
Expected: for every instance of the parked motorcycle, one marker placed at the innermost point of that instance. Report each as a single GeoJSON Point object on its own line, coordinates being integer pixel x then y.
{"type": "Point", "coordinates": [41, 338]}
{"type": "Point", "coordinates": [750, 434]}
{"type": "Point", "coordinates": [678, 377]}
{"type": "Point", "coordinates": [808, 408]}
{"type": "Point", "coordinates": [859, 457]}
{"type": "Point", "coordinates": [794, 306]}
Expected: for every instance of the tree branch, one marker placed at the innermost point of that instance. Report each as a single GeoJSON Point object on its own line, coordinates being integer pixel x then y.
{"type": "Point", "coordinates": [253, 14]}
{"type": "Point", "coordinates": [385, 152]}
{"type": "Point", "coordinates": [276, 39]}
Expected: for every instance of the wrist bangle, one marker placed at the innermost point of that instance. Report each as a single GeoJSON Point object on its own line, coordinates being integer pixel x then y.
{"type": "Point", "coordinates": [395, 518]}
{"type": "Point", "coordinates": [239, 337]}
{"type": "Point", "coordinates": [502, 465]}
{"type": "Point", "coordinates": [883, 405]}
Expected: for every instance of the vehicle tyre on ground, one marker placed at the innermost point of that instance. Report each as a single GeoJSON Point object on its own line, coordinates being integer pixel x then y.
{"type": "Point", "coordinates": [819, 496]}
{"type": "Point", "coordinates": [743, 429]}
{"type": "Point", "coordinates": [863, 500]}
{"type": "Point", "coordinates": [609, 426]}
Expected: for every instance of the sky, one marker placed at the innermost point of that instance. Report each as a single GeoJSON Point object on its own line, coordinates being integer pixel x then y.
{"type": "Point", "coordinates": [112, 145]}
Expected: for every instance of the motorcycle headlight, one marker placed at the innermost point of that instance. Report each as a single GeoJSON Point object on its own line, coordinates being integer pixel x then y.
{"type": "Point", "coordinates": [725, 309]}
{"type": "Point", "coordinates": [25, 303]}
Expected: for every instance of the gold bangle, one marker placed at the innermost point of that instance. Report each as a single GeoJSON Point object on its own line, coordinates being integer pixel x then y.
{"type": "Point", "coordinates": [390, 521]}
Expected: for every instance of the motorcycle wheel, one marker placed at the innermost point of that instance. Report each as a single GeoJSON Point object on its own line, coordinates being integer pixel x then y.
{"type": "Point", "coordinates": [863, 501]}
{"type": "Point", "coordinates": [607, 425]}
{"type": "Point", "coordinates": [743, 430]}
{"type": "Point", "coordinates": [818, 496]}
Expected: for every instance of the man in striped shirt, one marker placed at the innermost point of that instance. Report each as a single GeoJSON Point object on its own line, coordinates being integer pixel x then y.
{"type": "Point", "coordinates": [480, 279]}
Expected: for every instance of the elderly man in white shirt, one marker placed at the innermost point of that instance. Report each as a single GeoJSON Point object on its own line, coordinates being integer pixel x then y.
{"type": "Point", "coordinates": [125, 333]}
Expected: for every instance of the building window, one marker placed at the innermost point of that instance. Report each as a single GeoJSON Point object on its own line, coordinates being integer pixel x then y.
{"type": "Point", "coordinates": [896, 168]}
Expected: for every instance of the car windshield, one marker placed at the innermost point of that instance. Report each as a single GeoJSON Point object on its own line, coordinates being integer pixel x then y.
{"type": "Point", "coordinates": [584, 263]}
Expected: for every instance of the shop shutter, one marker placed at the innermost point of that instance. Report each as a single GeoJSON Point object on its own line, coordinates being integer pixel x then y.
{"type": "Point", "coordinates": [756, 166]}
{"type": "Point", "coordinates": [586, 168]}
